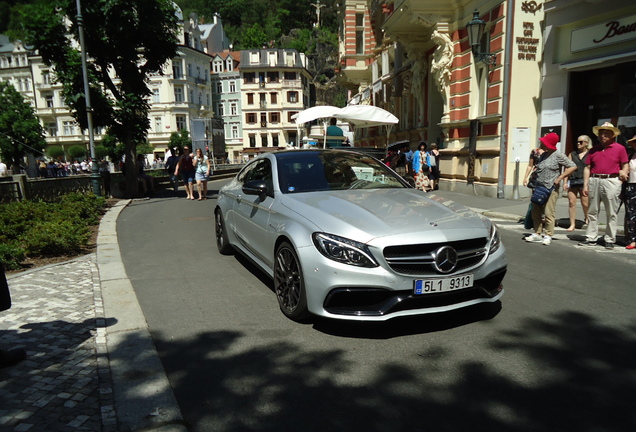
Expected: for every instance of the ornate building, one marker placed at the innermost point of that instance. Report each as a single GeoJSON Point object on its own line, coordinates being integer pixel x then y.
{"type": "Point", "coordinates": [414, 58]}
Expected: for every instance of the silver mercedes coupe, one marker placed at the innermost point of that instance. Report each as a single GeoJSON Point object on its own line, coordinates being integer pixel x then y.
{"type": "Point", "coordinates": [343, 236]}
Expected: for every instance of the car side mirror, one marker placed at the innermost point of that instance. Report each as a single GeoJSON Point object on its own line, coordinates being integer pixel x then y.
{"type": "Point", "coordinates": [255, 187]}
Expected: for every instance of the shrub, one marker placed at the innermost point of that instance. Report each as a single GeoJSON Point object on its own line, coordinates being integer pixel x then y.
{"type": "Point", "coordinates": [47, 229]}
{"type": "Point", "coordinates": [77, 152]}
{"type": "Point", "coordinates": [55, 152]}
{"type": "Point", "coordinates": [55, 238]}
{"type": "Point", "coordinates": [11, 255]}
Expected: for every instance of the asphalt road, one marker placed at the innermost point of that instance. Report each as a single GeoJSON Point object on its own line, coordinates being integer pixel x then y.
{"type": "Point", "coordinates": [557, 354]}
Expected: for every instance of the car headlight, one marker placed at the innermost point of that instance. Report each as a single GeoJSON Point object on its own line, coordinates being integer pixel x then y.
{"type": "Point", "coordinates": [344, 250]}
{"type": "Point", "coordinates": [495, 240]}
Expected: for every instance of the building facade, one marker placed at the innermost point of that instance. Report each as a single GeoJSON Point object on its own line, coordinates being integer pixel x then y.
{"type": "Point", "coordinates": [479, 104]}
{"type": "Point", "coordinates": [226, 99]}
{"type": "Point", "coordinates": [275, 85]}
{"type": "Point", "coordinates": [589, 74]}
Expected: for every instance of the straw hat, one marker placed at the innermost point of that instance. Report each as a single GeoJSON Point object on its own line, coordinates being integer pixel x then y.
{"type": "Point", "coordinates": [606, 126]}
{"type": "Point", "coordinates": [550, 140]}
{"type": "Point", "coordinates": [632, 140]}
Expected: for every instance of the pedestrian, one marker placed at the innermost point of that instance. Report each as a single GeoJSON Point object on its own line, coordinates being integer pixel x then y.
{"type": "Point", "coordinates": [552, 168]}
{"type": "Point", "coordinates": [147, 182]}
{"type": "Point", "coordinates": [202, 173]}
{"type": "Point", "coordinates": [421, 168]}
{"type": "Point", "coordinates": [408, 159]}
{"type": "Point", "coordinates": [630, 198]}
{"type": "Point", "coordinates": [185, 168]}
{"type": "Point", "coordinates": [530, 180]}
{"type": "Point", "coordinates": [574, 183]}
{"type": "Point", "coordinates": [104, 173]}
{"type": "Point", "coordinates": [3, 169]}
{"type": "Point", "coordinates": [606, 167]}
{"type": "Point", "coordinates": [434, 170]}
{"type": "Point", "coordinates": [171, 166]}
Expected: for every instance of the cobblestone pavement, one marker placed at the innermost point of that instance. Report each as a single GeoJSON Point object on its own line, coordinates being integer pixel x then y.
{"type": "Point", "coordinates": [57, 316]}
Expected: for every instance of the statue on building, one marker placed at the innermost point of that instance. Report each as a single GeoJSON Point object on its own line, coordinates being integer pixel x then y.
{"type": "Point", "coordinates": [440, 67]}
{"type": "Point", "coordinates": [418, 74]}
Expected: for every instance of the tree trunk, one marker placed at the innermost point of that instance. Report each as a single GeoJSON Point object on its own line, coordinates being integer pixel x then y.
{"type": "Point", "coordinates": [132, 174]}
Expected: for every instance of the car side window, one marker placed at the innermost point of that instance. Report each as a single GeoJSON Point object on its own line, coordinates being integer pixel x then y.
{"type": "Point", "coordinates": [261, 171]}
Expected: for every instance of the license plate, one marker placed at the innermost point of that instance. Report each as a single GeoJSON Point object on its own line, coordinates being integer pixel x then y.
{"type": "Point", "coordinates": [431, 286]}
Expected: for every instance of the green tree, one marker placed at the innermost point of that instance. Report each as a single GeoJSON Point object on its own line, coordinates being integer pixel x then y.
{"type": "Point", "coordinates": [254, 37]}
{"type": "Point", "coordinates": [55, 152]}
{"type": "Point", "coordinates": [126, 40]}
{"type": "Point", "coordinates": [101, 152]}
{"type": "Point", "coordinates": [20, 130]}
{"type": "Point", "coordinates": [145, 148]}
{"type": "Point", "coordinates": [179, 140]}
{"type": "Point", "coordinates": [77, 152]}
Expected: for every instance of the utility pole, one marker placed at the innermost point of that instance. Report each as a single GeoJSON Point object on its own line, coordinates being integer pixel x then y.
{"type": "Point", "coordinates": [95, 178]}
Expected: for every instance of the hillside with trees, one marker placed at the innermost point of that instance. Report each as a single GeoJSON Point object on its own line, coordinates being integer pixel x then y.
{"type": "Point", "coordinates": [282, 24]}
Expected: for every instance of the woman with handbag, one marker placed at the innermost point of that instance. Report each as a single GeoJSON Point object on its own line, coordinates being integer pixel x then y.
{"type": "Point", "coordinates": [574, 184]}
{"type": "Point", "coordinates": [545, 194]}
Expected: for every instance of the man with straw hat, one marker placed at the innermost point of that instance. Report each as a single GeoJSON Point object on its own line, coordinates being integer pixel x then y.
{"type": "Point", "coordinates": [606, 169]}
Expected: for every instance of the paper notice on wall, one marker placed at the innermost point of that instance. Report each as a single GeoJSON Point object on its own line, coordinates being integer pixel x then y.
{"type": "Point", "coordinates": [519, 148]}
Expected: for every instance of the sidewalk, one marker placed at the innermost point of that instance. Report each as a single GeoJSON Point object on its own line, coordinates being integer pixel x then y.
{"type": "Point", "coordinates": [91, 362]}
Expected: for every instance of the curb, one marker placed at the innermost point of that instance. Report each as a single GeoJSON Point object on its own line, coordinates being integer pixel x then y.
{"type": "Point", "coordinates": [144, 399]}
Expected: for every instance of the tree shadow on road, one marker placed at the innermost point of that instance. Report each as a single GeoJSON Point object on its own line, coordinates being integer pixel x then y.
{"type": "Point", "coordinates": [568, 372]}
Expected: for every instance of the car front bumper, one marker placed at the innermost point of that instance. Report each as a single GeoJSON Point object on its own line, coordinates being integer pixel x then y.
{"type": "Point", "coordinates": [346, 292]}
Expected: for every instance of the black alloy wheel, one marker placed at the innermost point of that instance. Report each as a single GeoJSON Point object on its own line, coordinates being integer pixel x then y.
{"type": "Point", "coordinates": [289, 283]}
{"type": "Point", "coordinates": [222, 241]}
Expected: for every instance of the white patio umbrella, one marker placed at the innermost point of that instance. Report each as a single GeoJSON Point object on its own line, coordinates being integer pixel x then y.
{"type": "Point", "coordinates": [368, 116]}
{"type": "Point", "coordinates": [324, 112]}
{"type": "Point", "coordinates": [314, 113]}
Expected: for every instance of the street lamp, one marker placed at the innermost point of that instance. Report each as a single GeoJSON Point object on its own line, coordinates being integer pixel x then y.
{"type": "Point", "coordinates": [95, 178]}
{"type": "Point", "coordinates": [475, 29]}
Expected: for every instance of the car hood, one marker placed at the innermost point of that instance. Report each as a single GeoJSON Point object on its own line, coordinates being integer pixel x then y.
{"type": "Point", "coordinates": [408, 214]}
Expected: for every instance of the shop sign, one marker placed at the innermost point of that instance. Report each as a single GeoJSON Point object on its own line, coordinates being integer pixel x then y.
{"type": "Point", "coordinates": [606, 33]}
{"type": "Point", "coordinates": [528, 46]}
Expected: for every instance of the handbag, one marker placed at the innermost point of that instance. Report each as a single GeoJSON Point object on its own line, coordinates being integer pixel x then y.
{"type": "Point", "coordinates": [576, 182]}
{"type": "Point", "coordinates": [540, 195]}
{"type": "Point", "coordinates": [532, 182]}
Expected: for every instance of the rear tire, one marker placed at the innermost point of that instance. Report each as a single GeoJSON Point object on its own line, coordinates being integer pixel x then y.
{"type": "Point", "coordinates": [222, 241]}
{"type": "Point", "coordinates": [289, 283]}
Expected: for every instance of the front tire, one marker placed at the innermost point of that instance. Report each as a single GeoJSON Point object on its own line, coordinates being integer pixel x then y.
{"type": "Point", "coordinates": [222, 240]}
{"type": "Point", "coordinates": [289, 283]}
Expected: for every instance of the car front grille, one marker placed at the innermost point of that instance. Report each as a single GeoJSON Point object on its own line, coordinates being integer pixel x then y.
{"type": "Point", "coordinates": [359, 301]}
{"type": "Point", "coordinates": [418, 259]}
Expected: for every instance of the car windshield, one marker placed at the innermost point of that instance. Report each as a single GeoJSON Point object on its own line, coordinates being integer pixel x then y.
{"type": "Point", "coordinates": [309, 171]}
